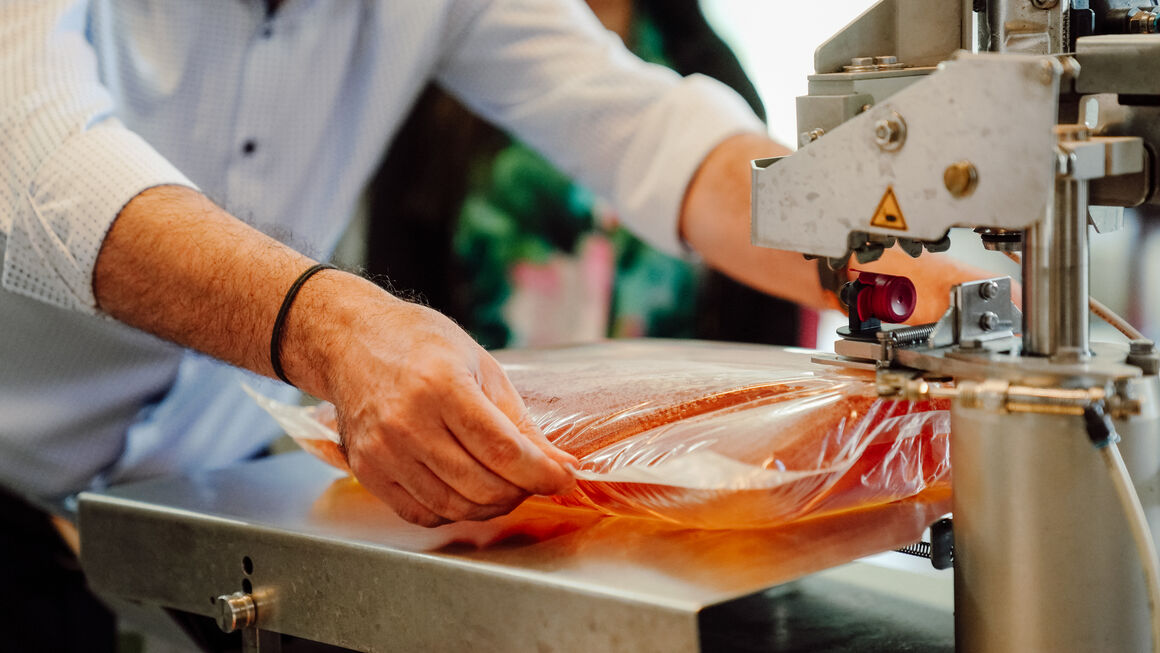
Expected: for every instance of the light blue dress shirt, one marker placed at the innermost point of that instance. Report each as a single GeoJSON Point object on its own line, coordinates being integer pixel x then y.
{"type": "Point", "coordinates": [280, 119]}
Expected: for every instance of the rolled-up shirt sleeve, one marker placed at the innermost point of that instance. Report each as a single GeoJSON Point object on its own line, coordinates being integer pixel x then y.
{"type": "Point", "coordinates": [69, 166]}
{"type": "Point", "coordinates": [633, 132]}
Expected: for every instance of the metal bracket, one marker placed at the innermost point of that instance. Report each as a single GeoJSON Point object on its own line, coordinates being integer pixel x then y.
{"type": "Point", "coordinates": [980, 311]}
{"type": "Point", "coordinates": [1003, 128]}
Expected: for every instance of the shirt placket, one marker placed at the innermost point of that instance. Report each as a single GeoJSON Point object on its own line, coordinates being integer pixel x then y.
{"type": "Point", "coordinates": [252, 141]}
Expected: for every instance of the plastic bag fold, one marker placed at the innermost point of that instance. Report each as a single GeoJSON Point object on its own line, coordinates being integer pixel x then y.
{"type": "Point", "coordinates": [718, 436]}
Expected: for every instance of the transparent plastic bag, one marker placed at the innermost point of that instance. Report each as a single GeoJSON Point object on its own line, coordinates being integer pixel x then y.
{"type": "Point", "coordinates": [726, 436]}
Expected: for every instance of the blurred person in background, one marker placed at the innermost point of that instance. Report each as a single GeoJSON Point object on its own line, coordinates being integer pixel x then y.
{"type": "Point", "coordinates": [489, 232]}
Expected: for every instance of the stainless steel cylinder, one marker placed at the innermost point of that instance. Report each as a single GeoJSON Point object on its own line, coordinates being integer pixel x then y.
{"type": "Point", "coordinates": [1055, 274]}
{"type": "Point", "coordinates": [1044, 561]}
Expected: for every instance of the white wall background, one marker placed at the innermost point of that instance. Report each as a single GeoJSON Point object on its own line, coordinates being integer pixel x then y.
{"type": "Point", "coordinates": [775, 41]}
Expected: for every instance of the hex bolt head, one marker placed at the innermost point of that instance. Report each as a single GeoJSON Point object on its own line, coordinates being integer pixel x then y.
{"type": "Point", "coordinates": [890, 133]}
{"type": "Point", "coordinates": [988, 321]}
{"type": "Point", "coordinates": [235, 611]}
{"type": "Point", "coordinates": [961, 178]}
{"type": "Point", "coordinates": [989, 290]}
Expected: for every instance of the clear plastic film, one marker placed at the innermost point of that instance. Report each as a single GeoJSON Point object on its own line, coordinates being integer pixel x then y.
{"type": "Point", "coordinates": [719, 436]}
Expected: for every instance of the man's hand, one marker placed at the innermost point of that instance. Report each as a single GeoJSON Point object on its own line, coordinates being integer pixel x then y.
{"type": "Point", "coordinates": [432, 425]}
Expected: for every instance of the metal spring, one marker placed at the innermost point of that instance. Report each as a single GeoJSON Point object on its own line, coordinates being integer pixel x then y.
{"type": "Point", "coordinates": [918, 550]}
{"type": "Point", "coordinates": [912, 334]}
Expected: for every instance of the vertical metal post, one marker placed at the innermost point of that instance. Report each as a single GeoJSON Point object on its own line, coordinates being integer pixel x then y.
{"type": "Point", "coordinates": [975, 33]}
{"type": "Point", "coordinates": [260, 641]}
{"type": "Point", "coordinates": [1037, 309]}
{"type": "Point", "coordinates": [1055, 269]}
{"type": "Point", "coordinates": [1071, 255]}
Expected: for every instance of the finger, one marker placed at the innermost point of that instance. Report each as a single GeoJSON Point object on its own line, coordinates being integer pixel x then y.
{"type": "Point", "coordinates": [493, 439]}
{"type": "Point", "coordinates": [405, 505]}
{"type": "Point", "coordinates": [499, 389]}
{"type": "Point", "coordinates": [438, 497]}
{"type": "Point", "coordinates": [445, 457]}
{"type": "Point", "coordinates": [424, 494]}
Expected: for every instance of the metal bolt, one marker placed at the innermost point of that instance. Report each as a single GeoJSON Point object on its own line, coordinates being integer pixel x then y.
{"type": "Point", "coordinates": [235, 611]}
{"type": "Point", "coordinates": [1044, 4]}
{"type": "Point", "coordinates": [812, 135]}
{"type": "Point", "coordinates": [989, 290]}
{"type": "Point", "coordinates": [961, 178]}
{"type": "Point", "coordinates": [988, 321]}
{"type": "Point", "coordinates": [890, 133]}
{"type": "Point", "coordinates": [860, 65]}
{"type": "Point", "coordinates": [888, 62]}
{"type": "Point", "coordinates": [1047, 71]}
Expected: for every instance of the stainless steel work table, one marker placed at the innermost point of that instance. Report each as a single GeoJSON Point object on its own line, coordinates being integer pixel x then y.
{"type": "Point", "coordinates": [327, 562]}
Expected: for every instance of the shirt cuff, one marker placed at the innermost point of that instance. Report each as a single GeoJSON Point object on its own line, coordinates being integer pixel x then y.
{"type": "Point", "coordinates": [695, 116]}
{"type": "Point", "coordinates": [70, 204]}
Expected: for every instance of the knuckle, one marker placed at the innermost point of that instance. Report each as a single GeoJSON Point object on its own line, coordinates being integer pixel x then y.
{"type": "Point", "coordinates": [451, 507]}
{"type": "Point", "coordinates": [420, 516]}
{"type": "Point", "coordinates": [434, 374]}
{"type": "Point", "coordinates": [498, 496]}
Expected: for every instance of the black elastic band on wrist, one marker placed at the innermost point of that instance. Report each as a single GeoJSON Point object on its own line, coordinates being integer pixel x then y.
{"type": "Point", "coordinates": [280, 321]}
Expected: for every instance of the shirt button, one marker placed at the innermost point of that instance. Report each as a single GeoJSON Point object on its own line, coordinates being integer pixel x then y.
{"type": "Point", "coordinates": [267, 31]}
{"type": "Point", "coordinates": [248, 147]}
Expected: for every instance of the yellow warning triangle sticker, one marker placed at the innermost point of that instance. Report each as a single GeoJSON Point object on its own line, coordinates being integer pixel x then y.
{"type": "Point", "coordinates": [889, 214]}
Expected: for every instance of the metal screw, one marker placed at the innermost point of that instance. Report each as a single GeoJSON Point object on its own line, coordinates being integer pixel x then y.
{"type": "Point", "coordinates": [961, 178]}
{"type": "Point", "coordinates": [1047, 71]}
{"type": "Point", "coordinates": [988, 321]}
{"type": "Point", "coordinates": [888, 62]}
{"type": "Point", "coordinates": [989, 290]}
{"type": "Point", "coordinates": [1044, 4]}
{"type": "Point", "coordinates": [890, 133]}
{"type": "Point", "coordinates": [860, 65]}
{"type": "Point", "coordinates": [235, 611]}
{"type": "Point", "coordinates": [812, 135]}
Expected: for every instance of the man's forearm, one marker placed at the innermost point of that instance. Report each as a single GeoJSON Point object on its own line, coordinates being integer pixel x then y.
{"type": "Point", "coordinates": [715, 221]}
{"type": "Point", "coordinates": [176, 265]}
{"type": "Point", "coordinates": [429, 420]}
